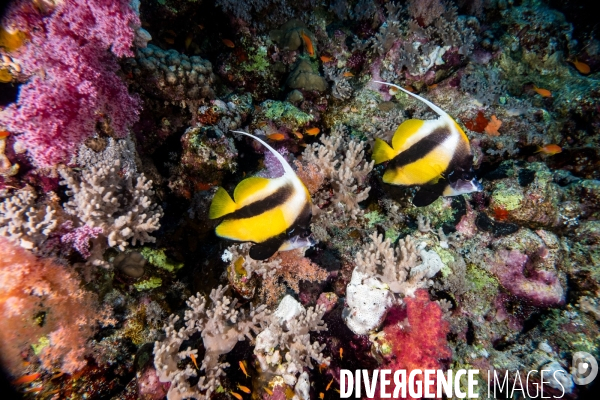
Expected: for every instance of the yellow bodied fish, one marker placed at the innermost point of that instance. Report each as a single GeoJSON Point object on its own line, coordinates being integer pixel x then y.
{"type": "Point", "coordinates": [433, 154]}
{"type": "Point", "coordinates": [273, 213]}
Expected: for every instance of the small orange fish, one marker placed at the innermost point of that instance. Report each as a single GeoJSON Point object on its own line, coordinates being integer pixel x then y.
{"type": "Point", "coordinates": [27, 379]}
{"type": "Point", "coordinates": [410, 89]}
{"type": "Point", "coordinates": [269, 391]}
{"type": "Point", "coordinates": [542, 92]}
{"type": "Point", "coordinates": [431, 87]}
{"type": "Point", "coordinates": [244, 388]}
{"type": "Point", "coordinates": [550, 149]}
{"type": "Point", "coordinates": [326, 58]}
{"type": "Point", "coordinates": [34, 390]}
{"type": "Point", "coordinates": [236, 395]}
{"type": "Point", "coordinates": [308, 45]}
{"type": "Point", "coordinates": [321, 366]}
{"type": "Point", "coordinates": [188, 40]}
{"type": "Point", "coordinates": [348, 74]}
{"type": "Point", "coordinates": [298, 135]}
{"type": "Point", "coordinates": [228, 43]}
{"type": "Point", "coordinates": [57, 375]}
{"type": "Point", "coordinates": [276, 136]}
{"type": "Point", "coordinates": [4, 134]}
{"type": "Point", "coordinates": [581, 67]}
{"type": "Point", "coordinates": [169, 40]}
{"type": "Point", "coordinates": [341, 353]}
{"type": "Point", "coordinates": [312, 131]}
{"type": "Point", "coordinates": [193, 357]}
{"type": "Point", "coordinates": [321, 395]}
{"type": "Point", "coordinates": [329, 384]}
{"type": "Point", "coordinates": [243, 368]}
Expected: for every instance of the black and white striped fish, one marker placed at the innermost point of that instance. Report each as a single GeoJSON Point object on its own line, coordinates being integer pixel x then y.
{"type": "Point", "coordinates": [433, 154]}
{"type": "Point", "coordinates": [273, 213]}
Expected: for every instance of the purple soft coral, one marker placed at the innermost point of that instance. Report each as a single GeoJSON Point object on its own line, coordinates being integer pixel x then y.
{"type": "Point", "coordinates": [74, 84]}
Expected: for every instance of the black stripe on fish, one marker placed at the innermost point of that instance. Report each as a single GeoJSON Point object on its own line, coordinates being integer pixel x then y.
{"type": "Point", "coordinates": [276, 199]}
{"type": "Point", "coordinates": [420, 149]}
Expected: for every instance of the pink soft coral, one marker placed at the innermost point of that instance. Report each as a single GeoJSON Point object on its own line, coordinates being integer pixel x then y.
{"type": "Point", "coordinates": [417, 334]}
{"type": "Point", "coordinates": [72, 62]}
{"type": "Point", "coordinates": [40, 299]}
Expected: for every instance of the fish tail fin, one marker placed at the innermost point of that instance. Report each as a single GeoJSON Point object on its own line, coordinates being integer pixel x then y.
{"type": "Point", "coordinates": [539, 149]}
{"type": "Point", "coordinates": [382, 151]}
{"type": "Point", "coordinates": [435, 108]}
{"type": "Point", "coordinates": [286, 167]}
{"type": "Point", "coordinates": [222, 204]}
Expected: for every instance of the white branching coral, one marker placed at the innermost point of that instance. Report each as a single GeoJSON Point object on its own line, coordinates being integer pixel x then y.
{"type": "Point", "coordinates": [382, 270]}
{"type": "Point", "coordinates": [222, 324]}
{"type": "Point", "coordinates": [399, 268]}
{"type": "Point", "coordinates": [25, 222]}
{"type": "Point", "coordinates": [284, 348]}
{"type": "Point", "coordinates": [345, 171]}
{"type": "Point", "coordinates": [102, 197]}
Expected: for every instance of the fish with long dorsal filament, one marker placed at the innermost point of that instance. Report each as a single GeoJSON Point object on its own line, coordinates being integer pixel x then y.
{"type": "Point", "coordinates": [273, 213]}
{"type": "Point", "coordinates": [433, 154]}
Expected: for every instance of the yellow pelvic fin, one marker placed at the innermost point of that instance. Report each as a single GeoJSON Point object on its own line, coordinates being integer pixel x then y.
{"type": "Point", "coordinates": [249, 187]}
{"type": "Point", "coordinates": [221, 205]}
{"type": "Point", "coordinates": [382, 152]}
{"type": "Point", "coordinates": [404, 131]}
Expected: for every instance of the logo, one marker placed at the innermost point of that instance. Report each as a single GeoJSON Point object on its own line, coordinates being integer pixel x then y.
{"type": "Point", "coordinates": [584, 368]}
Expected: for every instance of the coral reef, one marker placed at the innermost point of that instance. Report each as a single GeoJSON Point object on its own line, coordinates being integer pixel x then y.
{"type": "Point", "coordinates": [115, 130]}
{"type": "Point", "coordinates": [47, 316]}
{"type": "Point", "coordinates": [221, 325]}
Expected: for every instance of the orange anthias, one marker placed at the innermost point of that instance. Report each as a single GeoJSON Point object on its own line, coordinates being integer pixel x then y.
{"type": "Point", "coordinates": [308, 45]}
{"type": "Point", "coordinates": [326, 58]}
{"type": "Point", "coordinates": [228, 43]}
{"type": "Point", "coordinates": [276, 136]}
{"type": "Point", "coordinates": [313, 131]}
{"type": "Point", "coordinates": [542, 92]}
{"type": "Point", "coordinates": [550, 149]}
{"type": "Point", "coordinates": [581, 67]}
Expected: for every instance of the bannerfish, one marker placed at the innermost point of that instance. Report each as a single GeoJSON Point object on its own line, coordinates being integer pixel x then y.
{"type": "Point", "coordinates": [433, 154]}
{"type": "Point", "coordinates": [273, 213]}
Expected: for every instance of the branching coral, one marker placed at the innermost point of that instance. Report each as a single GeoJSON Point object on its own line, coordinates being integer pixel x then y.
{"type": "Point", "coordinates": [399, 267]}
{"type": "Point", "coordinates": [284, 348]}
{"type": "Point", "coordinates": [380, 271]}
{"type": "Point", "coordinates": [26, 222]}
{"type": "Point", "coordinates": [102, 198]}
{"type": "Point", "coordinates": [222, 324]}
{"type": "Point", "coordinates": [345, 172]}
{"type": "Point", "coordinates": [42, 304]}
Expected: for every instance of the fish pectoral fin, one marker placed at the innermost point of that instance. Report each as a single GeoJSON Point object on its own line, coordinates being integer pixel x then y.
{"type": "Point", "coordinates": [222, 204]}
{"type": "Point", "coordinates": [249, 187]}
{"type": "Point", "coordinates": [264, 250]}
{"type": "Point", "coordinates": [382, 152]}
{"type": "Point", "coordinates": [427, 195]}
